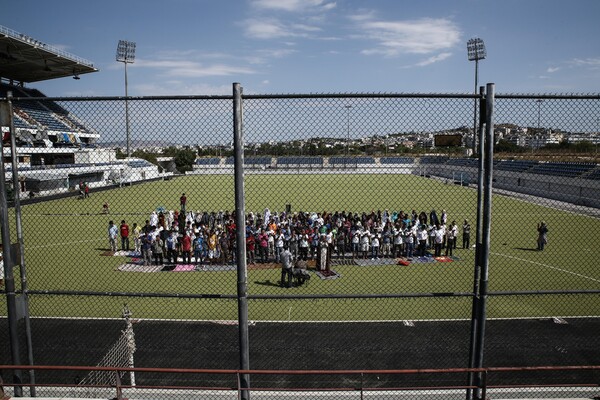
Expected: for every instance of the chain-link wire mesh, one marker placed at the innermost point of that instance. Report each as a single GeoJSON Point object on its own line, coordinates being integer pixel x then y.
{"type": "Point", "coordinates": [371, 199]}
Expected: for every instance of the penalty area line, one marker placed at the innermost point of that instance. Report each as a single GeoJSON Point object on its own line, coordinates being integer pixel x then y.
{"type": "Point", "coordinates": [547, 266]}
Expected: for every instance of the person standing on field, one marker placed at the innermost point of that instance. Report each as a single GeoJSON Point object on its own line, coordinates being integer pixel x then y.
{"type": "Point", "coordinates": [112, 236]}
{"type": "Point", "coordinates": [466, 235]}
{"type": "Point", "coordinates": [124, 230]}
{"type": "Point", "coordinates": [182, 202]}
{"type": "Point", "coordinates": [287, 264]}
{"type": "Point", "coordinates": [451, 234]}
{"type": "Point", "coordinates": [542, 235]}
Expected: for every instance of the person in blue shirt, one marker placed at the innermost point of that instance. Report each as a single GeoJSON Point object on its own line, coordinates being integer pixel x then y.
{"type": "Point", "coordinates": [198, 249]}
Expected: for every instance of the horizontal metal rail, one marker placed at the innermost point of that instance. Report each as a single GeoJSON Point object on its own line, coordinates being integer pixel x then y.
{"type": "Point", "coordinates": [119, 387]}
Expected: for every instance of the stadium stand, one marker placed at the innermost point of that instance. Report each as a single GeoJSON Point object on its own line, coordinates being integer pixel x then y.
{"type": "Point", "coordinates": [569, 170]}
{"type": "Point", "coordinates": [299, 161]}
{"type": "Point", "coordinates": [251, 161]}
{"type": "Point", "coordinates": [41, 114]}
{"type": "Point", "coordinates": [434, 159]}
{"type": "Point", "coordinates": [397, 160]}
{"type": "Point", "coordinates": [463, 162]}
{"type": "Point", "coordinates": [593, 175]}
{"type": "Point", "coordinates": [514, 165]}
{"type": "Point", "coordinates": [208, 161]}
{"type": "Point", "coordinates": [351, 160]}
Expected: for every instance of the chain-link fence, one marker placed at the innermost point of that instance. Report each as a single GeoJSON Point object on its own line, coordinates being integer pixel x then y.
{"type": "Point", "coordinates": [370, 200]}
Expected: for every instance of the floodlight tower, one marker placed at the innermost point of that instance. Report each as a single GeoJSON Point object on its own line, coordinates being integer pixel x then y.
{"type": "Point", "coordinates": [126, 55]}
{"type": "Point", "coordinates": [476, 52]}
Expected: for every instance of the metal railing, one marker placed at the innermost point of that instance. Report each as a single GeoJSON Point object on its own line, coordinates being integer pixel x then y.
{"type": "Point", "coordinates": [497, 382]}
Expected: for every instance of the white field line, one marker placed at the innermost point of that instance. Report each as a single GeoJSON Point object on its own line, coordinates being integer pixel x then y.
{"type": "Point", "coordinates": [254, 322]}
{"type": "Point", "coordinates": [548, 266]}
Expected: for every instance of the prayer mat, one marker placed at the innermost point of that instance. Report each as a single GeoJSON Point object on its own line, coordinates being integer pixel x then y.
{"type": "Point", "coordinates": [217, 267]}
{"type": "Point", "coordinates": [331, 274]}
{"type": "Point", "coordinates": [443, 259]}
{"type": "Point", "coordinates": [379, 261]}
{"type": "Point", "coordinates": [126, 253]}
{"type": "Point", "coordinates": [184, 267]}
{"type": "Point", "coordinates": [423, 260]}
{"type": "Point", "coordinates": [139, 268]}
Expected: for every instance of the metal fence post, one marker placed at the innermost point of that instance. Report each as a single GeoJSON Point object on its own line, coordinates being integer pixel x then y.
{"type": "Point", "coordinates": [485, 233]}
{"type": "Point", "coordinates": [19, 231]}
{"type": "Point", "coordinates": [477, 269]}
{"type": "Point", "coordinates": [240, 220]}
{"type": "Point", "coordinates": [9, 278]}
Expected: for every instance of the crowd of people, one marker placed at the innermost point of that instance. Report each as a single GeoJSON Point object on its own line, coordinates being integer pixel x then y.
{"type": "Point", "coordinates": [210, 237]}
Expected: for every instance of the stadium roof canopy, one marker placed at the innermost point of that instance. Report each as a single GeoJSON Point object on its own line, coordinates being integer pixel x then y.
{"type": "Point", "coordinates": [25, 59]}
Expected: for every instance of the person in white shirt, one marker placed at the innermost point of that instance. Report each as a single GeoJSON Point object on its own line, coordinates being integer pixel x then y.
{"type": "Point", "coordinates": [356, 243]}
{"type": "Point", "coordinates": [397, 242]}
{"type": "Point", "coordinates": [451, 234]}
{"type": "Point", "coordinates": [422, 238]}
{"type": "Point", "coordinates": [375, 247]}
{"type": "Point", "coordinates": [279, 241]}
{"type": "Point", "coordinates": [409, 242]}
{"type": "Point", "coordinates": [440, 232]}
{"type": "Point", "coordinates": [364, 243]}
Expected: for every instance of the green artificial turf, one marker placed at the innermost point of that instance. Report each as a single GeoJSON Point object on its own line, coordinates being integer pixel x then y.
{"type": "Point", "coordinates": [65, 239]}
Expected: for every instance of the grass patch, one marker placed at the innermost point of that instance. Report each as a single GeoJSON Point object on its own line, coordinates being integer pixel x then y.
{"type": "Point", "coordinates": [64, 240]}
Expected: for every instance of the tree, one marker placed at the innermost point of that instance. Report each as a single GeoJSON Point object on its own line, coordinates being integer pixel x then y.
{"type": "Point", "coordinates": [145, 155]}
{"type": "Point", "coordinates": [184, 158]}
{"type": "Point", "coordinates": [504, 146]}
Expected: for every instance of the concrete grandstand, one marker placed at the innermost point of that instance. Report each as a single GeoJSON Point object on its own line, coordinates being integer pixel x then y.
{"type": "Point", "coordinates": [54, 149]}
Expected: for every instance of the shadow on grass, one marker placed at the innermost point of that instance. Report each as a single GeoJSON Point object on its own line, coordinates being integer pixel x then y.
{"type": "Point", "coordinates": [266, 283]}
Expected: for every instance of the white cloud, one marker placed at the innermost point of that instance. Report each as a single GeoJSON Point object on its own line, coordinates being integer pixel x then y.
{"type": "Point", "coordinates": [265, 29]}
{"type": "Point", "coordinates": [263, 56]}
{"type": "Point", "coordinates": [434, 59]}
{"type": "Point", "coordinates": [552, 69]}
{"type": "Point", "coordinates": [181, 88]}
{"type": "Point", "coordinates": [273, 29]}
{"type": "Point", "coordinates": [307, 28]}
{"type": "Point", "coordinates": [586, 62]}
{"type": "Point", "coordinates": [294, 5]}
{"type": "Point", "coordinates": [421, 36]}
{"type": "Point", "coordinates": [192, 69]}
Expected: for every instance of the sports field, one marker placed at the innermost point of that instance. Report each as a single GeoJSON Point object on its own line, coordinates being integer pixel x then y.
{"type": "Point", "coordinates": [65, 243]}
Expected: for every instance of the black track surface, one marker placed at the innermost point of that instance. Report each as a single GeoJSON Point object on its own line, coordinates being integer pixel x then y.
{"type": "Point", "coordinates": [344, 345]}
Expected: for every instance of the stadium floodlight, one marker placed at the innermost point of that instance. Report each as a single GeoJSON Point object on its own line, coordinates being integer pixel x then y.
{"type": "Point", "coordinates": [475, 52]}
{"type": "Point", "coordinates": [126, 55]}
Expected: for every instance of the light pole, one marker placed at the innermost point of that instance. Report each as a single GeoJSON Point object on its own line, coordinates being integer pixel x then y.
{"type": "Point", "coordinates": [475, 52]}
{"type": "Point", "coordinates": [348, 107]}
{"type": "Point", "coordinates": [539, 119]}
{"type": "Point", "coordinates": [539, 101]}
{"type": "Point", "coordinates": [126, 55]}
{"type": "Point", "coordinates": [597, 136]}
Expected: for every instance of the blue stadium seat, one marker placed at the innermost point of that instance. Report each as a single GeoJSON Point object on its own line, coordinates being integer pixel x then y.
{"type": "Point", "coordinates": [208, 161]}
{"type": "Point", "coordinates": [514, 165]}
{"type": "Point", "coordinates": [397, 160]}
{"type": "Point", "coordinates": [290, 160]}
{"type": "Point", "coordinates": [434, 159]}
{"type": "Point", "coordinates": [351, 160]}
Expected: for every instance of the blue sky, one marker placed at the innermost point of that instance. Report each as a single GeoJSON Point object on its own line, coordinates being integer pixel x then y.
{"type": "Point", "coordinates": [187, 47]}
